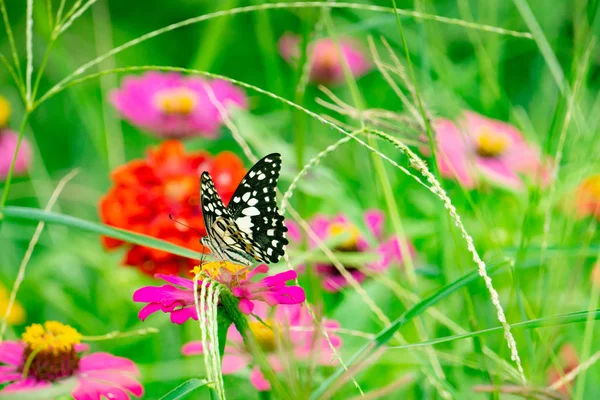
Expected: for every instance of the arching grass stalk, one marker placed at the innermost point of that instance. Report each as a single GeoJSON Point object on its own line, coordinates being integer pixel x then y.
{"type": "Point", "coordinates": [420, 166]}
{"type": "Point", "coordinates": [34, 239]}
{"type": "Point", "coordinates": [296, 5]}
{"type": "Point", "coordinates": [119, 335]}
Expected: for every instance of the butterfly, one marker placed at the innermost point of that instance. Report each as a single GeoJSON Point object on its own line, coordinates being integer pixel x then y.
{"type": "Point", "coordinates": [250, 227]}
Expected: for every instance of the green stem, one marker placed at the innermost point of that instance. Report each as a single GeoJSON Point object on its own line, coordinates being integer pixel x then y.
{"type": "Point", "coordinates": [29, 361]}
{"type": "Point", "coordinates": [12, 166]}
{"type": "Point", "coordinates": [231, 309]}
{"type": "Point", "coordinates": [223, 323]}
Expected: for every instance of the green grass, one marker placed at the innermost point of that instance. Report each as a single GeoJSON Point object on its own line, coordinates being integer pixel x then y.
{"type": "Point", "coordinates": [432, 321]}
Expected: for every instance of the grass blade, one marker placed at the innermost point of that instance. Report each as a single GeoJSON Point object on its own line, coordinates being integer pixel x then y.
{"type": "Point", "coordinates": [184, 389]}
{"type": "Point", "coordinates": [563, 319]}
{"type": "Point", "coordinates": [385, 335]}
{"type": "Point", "coordinates": [35, 214]}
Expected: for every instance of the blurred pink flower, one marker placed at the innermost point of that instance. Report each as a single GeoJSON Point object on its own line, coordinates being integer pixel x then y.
{"type": "Point", "coordinates": [97, 375]}
{"type": "Point", "coordinates": [172, 105]}
{"type": "Point", "coordinates": [477, 147]}
{"type": "Point", "coordinates": [291, 334]}
{"type": "Point", "coordinates": [177, 299]}
{"type": "Point", "coordinates": [8, 144]}
{"type": "Point", "coordinates": [390, 250]}
{"type": "Point", "coordinates": [325, 64]}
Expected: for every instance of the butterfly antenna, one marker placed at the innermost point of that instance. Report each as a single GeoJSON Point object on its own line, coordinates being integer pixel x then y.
{"type": "Point", "coordinates": [187, 226]}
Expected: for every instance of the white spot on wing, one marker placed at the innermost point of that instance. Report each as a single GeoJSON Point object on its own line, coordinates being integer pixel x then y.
{"type": "Point", "coordinates": [252, 202]}
{"type": "Point", "coordinates": [246, 196]}
{"type": "Point", "coordinates": [244, 223]}
{"type": "Point", "coordinates": [251, 211]}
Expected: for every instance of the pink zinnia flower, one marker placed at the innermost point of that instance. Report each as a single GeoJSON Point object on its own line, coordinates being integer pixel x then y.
{"type": "Point", "coordinates": [325, 63]}
{"type": "Point", "coordinates": [8, 144]}
{"type": "Point", "coordinates": [175, 106]}
{"type": "Point", "coordinates": [390, 250]}
{"type": "Point", "coordinates": [58, 357]}
{"type": "Point", "coordinates": [478, 147]}
{"type": "Point", "coordinates": [178, 298]}
{"type": "Point", "coordinates": [290, 334]}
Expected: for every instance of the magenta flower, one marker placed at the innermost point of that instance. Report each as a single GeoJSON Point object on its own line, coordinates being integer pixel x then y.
{"type": "Point", "coordinates": [175, 106]}
{"type": "Point", "coordinates": [290, 334]}
{"type": "Point", "coordinates": [325, 63]}
{"type": "Point", "coordinates": [479, 147]}
{"type": "Point", "coordinates": [389, 251]}
{"type": "Point", "coordinates": [8, 144]}
{"type": "Point", "coordinates": [178, 299]}
{"type": "Point", "coordinates": [98, 375]}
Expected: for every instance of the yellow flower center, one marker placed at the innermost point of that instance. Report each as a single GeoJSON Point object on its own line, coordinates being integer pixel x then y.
{"type": "Point", "coordinates": [176, 101]}
{"type": "Point", "coordinates": [17, 313]}
{"type": "Point", "coordinates": [490, 143]}
{"type": "Point", "coordinates": [50, 351]}
{"type": "Point", "coordinates": [4, 111]}
{"type": "Point", "coordinates": [266, 334]}
{"type": "Point", "coordinates": [339, 228]}
{"type": "Point", "coordinates": [225, 272]}
{"type": "Point", "coordinates": [52, 337]}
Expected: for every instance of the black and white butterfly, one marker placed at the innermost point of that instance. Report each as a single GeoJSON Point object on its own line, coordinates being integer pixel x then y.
{"type": "Point", "coordinates": [251, 227]}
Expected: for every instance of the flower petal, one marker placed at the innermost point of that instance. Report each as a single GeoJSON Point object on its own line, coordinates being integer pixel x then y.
{"type": "Point", "coordinates": [258, 380]}
{"type": "Point", "coordinates": [374, 220]}
{"type": "Point", "coordinates": [115, 379]}
{"type": "Point", "coordinates": [106, 361]}
{"type": "Point", "coordinates": [26, 385]}
{"type": "Point", "coordinates": [499, 171]}
{"type": "Point", "coordinates": [11, 353]}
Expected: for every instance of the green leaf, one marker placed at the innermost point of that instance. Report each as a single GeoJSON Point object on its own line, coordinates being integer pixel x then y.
{"type": "Point", "coordinates": [35, 214]}
{"type": "Point", "coordinates": [184, 389]}
{"type": "Point", "coordinates": [563, 319]}
{"type": "Point", "coordinates": [385, 335]}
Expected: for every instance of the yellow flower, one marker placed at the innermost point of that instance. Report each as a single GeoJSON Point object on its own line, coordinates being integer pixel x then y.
{"type": "Point", "coordinates": [17, 313]}
{"type": "Point", "coordinates": [51, 337]}
{"type": "Point", "coordinates": [4, 111]}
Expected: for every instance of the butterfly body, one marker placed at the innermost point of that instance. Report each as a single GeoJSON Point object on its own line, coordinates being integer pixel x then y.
{"type": "Point", "coordinates": [250, 227]}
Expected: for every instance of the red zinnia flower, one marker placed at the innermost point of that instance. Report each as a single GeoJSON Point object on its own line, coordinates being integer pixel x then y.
{"type": "Point", "coordinates": [166, 182]}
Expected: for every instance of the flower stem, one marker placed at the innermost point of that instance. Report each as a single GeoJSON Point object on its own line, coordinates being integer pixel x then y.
{"type": "Point", "coordinates": [231, 309]}
{"type": "Point", "coordinates": [12, 165]}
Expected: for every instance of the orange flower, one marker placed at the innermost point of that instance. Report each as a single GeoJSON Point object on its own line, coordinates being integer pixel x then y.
{"type": "Point", "coordinates": [587, 198]}
{"type": "Point", "coordinates": [568, 361]}
{"type": "Point", "coordinates": [166, 182]}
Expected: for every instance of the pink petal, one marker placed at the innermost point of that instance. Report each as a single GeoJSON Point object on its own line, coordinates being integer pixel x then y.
{"type": "Point", "coordinates": [374, 221]}
{"type": "Point", "coordinates": [234, 363]}
{"type": "Point", "coordinates": [498, 171]}
{"type": "Point", "coordinates": [476, 122]}
{"type": "Point", "coordinates": [11, 353]}
{"type": "Point", "coordinates": [106, 361]}
{"type": "Point", "coordinates": [92, 390]}
{"type": "Point", "coordinates": [183, 315]}
{"type": "Point", "coordinates": [293, 233]}
{"type": "Point", "coordinates": [454, 153]}
{"type": "Point", "coordinates": [246, 306]}
{"type": "Point", "coordinates": [177, 280]}
{"type": "Point", "coordinates": [258, 380]}
{"type": "Point", "coordinates": [8, 144]}
{"type": "Point", "coordinates": [115, 379]}
{"type": "Point", "coordinates": [148, 310]}
{"type": "Point", "coordinates": [26, 385]}
{"type": "Point", "coordinates": [9, 374]}
{"type": "Point", "coordinates": [192, 348]}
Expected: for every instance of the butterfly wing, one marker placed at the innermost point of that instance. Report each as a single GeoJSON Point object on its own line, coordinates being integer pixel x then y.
{"type": "Point", "coordinates": [212, 205]}
{"type": "Point", "coordinates": [253, 208]}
